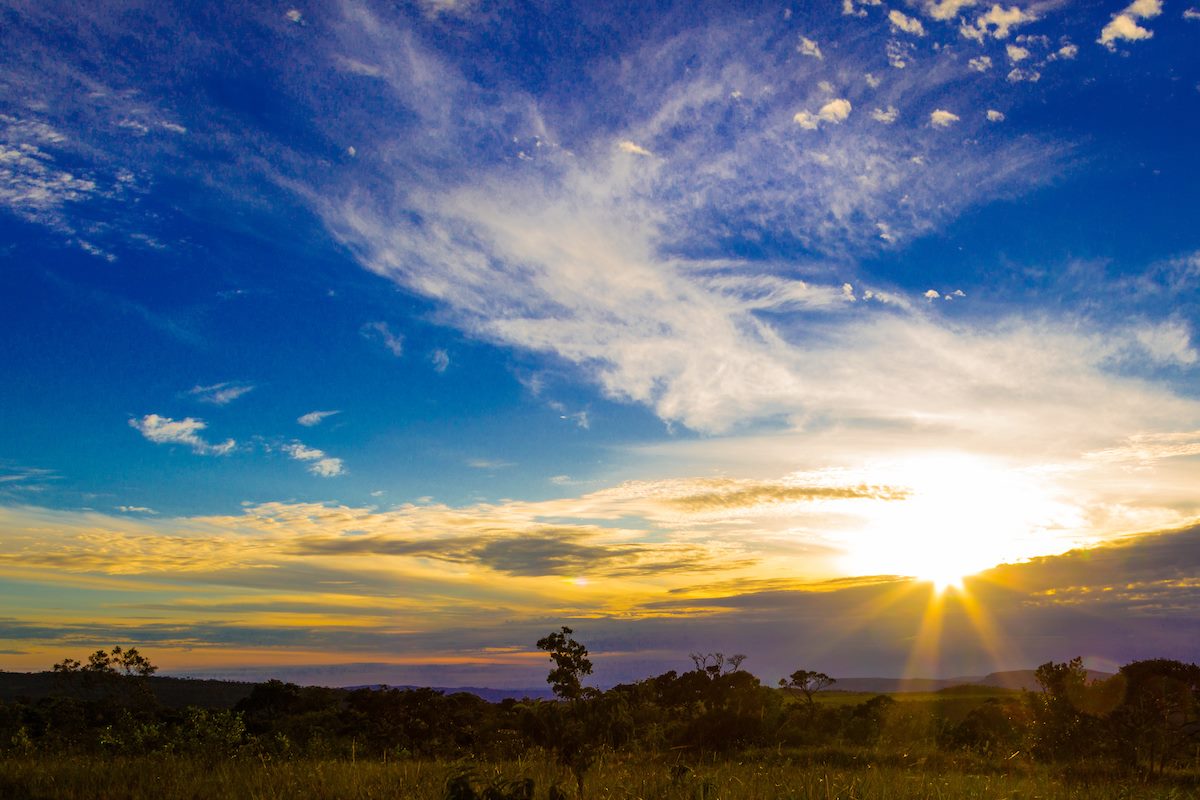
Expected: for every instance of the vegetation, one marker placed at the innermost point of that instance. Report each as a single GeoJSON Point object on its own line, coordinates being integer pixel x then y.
{"type": "Point", "coordinates": [713, 731]}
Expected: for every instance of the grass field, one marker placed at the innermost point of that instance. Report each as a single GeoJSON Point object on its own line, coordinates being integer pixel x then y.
{"type": "Point", "coordinates": [846, 776]}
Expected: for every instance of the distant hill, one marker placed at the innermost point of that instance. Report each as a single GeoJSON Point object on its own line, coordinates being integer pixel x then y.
{"type": "Point", "coordinates": [207, 693]}
{"type": "Point", "coordinates": [1013, 679]}
{"type": "Point", "coordinates": [491, 695]}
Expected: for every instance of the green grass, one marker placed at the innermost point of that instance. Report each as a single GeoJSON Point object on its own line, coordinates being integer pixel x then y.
{"type": "Point", "coordinates": [769, 775]}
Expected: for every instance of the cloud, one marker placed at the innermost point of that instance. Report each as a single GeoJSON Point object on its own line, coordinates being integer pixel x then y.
{"type": "Point", "coordinates": [886, 115]}
{"type": "Point", "coordinates": [808, 47]}
{"type": "Point", "coordinates": [1124, 26]}
{"type": "Point", "coordinates": [220, 394]}
{"type": "Point", "coordinates": [940, 118]}
{"type": "Point", "coordinates": [605, 267]}
{"type": "Point", "coordinates": [1016, 75]}
{"type": "Point", "coordinates": [1191, 13]}
{"type": "Point", "coordinates": [32, 185]}
{"type": "Point", "coordinates": [980, 63]}
{"type": "Point", "coordinates": [854, 7]}
{"type": "Point", "coordinates": [318, 578]}
{"type": "Point", "coordinates": [834, 112]}
{"type": "Point", "coordinates": [294, 15]}
{"type": "Point", "coordinates": [380, 332]}
{"type": "Point", "coordinates": [1147, 448]}
{"type": "Point", "coordinates": [1016, 53]}
{"type": "Point", "coordinates": [626, 146]}
{"type": "Point", "coordinates": [164, 430]}
{"type": "Point", "coordinates": [997, 22]}
{"type": "Point", "coordinates": [313, 418]}
{"type": "Point", "coordinates": [136, 510]}
{"type": "Point", "coordinates": [440, 360]}
{"type": "Point", "coordinates": [902, 22]}
{"type": "Point", "coordinates": [489, 463]}
{"type": "Point", "coordinates": [319, 463]}
{"type": "Point", "coordinates": [995, 116]}
{"type": "Point", "coordinates": [898, 53]}
{"type": "Point", "coordinates": [946, 9]}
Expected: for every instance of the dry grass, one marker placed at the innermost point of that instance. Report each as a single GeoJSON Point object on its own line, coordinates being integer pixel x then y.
{"type": "Point", "coordinates": [770, 776]}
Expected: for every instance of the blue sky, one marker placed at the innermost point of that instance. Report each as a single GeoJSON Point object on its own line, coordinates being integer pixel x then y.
{"type": "Point", "coordinates": [335, 334]}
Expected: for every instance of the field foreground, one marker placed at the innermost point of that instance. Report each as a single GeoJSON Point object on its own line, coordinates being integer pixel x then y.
{"type": "Point", "coordinates": [773, 775]}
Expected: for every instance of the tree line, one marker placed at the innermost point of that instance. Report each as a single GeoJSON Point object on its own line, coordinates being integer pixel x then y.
{"type": "Point", "coordinates": [1146, 717]}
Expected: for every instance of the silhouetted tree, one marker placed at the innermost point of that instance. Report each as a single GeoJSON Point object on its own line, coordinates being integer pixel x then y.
{"type": "Point", "coordinates": [571, 663]}
{"type": "Point", "coordinates": [1160, 716]}
{"type": "Point", "coordinates": [807, 683]}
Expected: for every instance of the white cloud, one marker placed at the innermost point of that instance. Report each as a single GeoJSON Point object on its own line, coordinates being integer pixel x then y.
{"type": "Point", "coordinates": [136, 510]}
{"type": "Point", "coordinates": [808, 47]}
{"type": "Point", "coordinates": [319, 463]}
{"type": "Point", "coordinates": [833, 112]}
{"type": "Point", "coordinates": [627, 146]}
{"type": "Point", "coordinates": [899, 53]}
{"type": "Point", "coordinates": [1067, 52]}
{"type": "Point", "coordinates": [1124, 26]}
{"type": "Point", "coordinates": [315, 417]}
{"type": "Point", "coordinates": [220, 394]}
{"type": "Point", "coordinates": [872, 80]}
{"type": "Point", "coordinates": [932, 294]}
{"type": "Point", "coordinates": [997, 22]}
{"type": "Point", "coordinates": [1016, 53]}
{"type": "Point", "coordinates": [854, 7]}
{"type": "Point", "coordinates": [940, 118]}
{"type": "Point", "coordinates": [489, 463]}
{"type": "Point", "coordinates": [946, 9]}
{"type": "Point", "coordinates": [807, 120]}
{"type": "Point", "coordinates": [382, 333]}
{"type": "Point", "coordinates": [1167, 343]}
{"type": "Point", "coordinates": [886, 115]}
{"type": "Point", "coordinates": [576, 261]}
{"type": "Point", "coordinates": [995, 116]}
{"type": "Point", "coordinates": [1191, 13]}
{"type": "Point", "coordinates": [294, 15]}
{"type": "Point", "coordinates": [440, 359]}
{"type": "Point", "coordinates": [327, 467]}
{"type": "Point", "coordinates": [980, 63]}
{"type": "Point", "coordinates": [31, 184]}
{"type": "Point", "coordinates": [164, 430]}
{"type": "Point", "coordinates": [902, 22]}
{"type": "Point", "coordinates": [1017, 74]}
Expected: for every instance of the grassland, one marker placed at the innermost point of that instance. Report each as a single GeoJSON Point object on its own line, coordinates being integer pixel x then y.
{"type": "Point", "coordinates": [814, 776]}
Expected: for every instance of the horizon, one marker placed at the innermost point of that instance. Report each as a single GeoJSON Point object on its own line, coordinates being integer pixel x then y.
{"type": "Point", "coordinates": [855, 336]}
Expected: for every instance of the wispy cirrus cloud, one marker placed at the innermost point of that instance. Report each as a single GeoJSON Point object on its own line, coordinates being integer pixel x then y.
{"type": "Point", "coordinates": [221, 394]}
{"type": "Point", "coordinates": [186, 431]}
{"type": "Point", "coordinates": [314, 418]}
{"type": "Point", "coordinates": [382, 333]}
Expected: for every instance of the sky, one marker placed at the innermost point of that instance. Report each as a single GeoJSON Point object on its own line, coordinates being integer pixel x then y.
{"type": "Point", "coordinates": [370, 342]}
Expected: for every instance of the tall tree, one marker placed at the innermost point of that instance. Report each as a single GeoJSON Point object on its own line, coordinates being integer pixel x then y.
{"type": "Point", "coordinates": [571, 663]}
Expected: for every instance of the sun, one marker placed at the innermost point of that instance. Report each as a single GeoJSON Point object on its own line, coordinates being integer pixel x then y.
{"type": "Point", "coordinates": [962, 514]}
